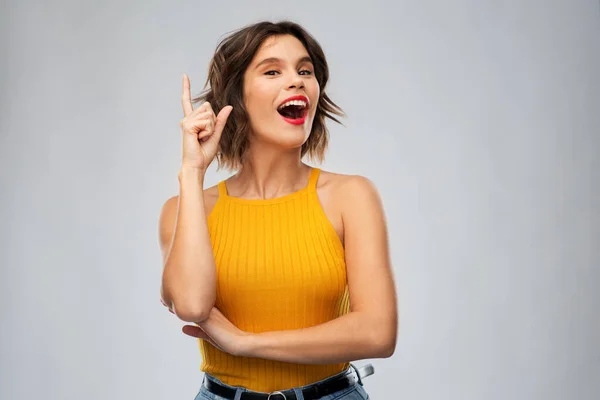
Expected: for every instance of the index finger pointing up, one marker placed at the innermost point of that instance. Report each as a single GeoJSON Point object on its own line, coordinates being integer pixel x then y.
{"type": "Point", "coordinates": [186, 101]}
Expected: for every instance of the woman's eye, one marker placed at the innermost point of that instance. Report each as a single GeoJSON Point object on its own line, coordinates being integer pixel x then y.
{"type": "Point", "coordinates": [302, 72]}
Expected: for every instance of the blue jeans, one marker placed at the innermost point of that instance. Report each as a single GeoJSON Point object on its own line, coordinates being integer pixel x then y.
{"type": "Point", "coordinates": [353, 392]}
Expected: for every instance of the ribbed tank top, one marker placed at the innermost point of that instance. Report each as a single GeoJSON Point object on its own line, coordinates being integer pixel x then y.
{"type": "Point", "coordinates": [280, 266]}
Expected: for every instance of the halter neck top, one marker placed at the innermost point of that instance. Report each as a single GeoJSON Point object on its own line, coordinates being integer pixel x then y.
{"type": "Point", "coordinates": [280, 266]}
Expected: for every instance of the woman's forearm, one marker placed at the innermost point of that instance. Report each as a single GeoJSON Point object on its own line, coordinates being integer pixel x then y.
{"type": "Point", "coordinates": [354, 336]}
{"type": "Point", "coordinates": [189, 275]}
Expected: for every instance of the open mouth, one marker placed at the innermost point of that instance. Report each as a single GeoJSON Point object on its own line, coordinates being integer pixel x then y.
{"type": "Point", "coordinates": [294, 109]}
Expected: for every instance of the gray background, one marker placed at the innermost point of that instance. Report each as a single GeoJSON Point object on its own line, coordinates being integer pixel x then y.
{"type": "Point", "coordinates": [477, 120]}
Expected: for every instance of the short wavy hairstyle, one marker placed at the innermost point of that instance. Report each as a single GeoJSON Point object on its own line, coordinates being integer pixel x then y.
{"type": "Point", "coordinates": [224, 86]}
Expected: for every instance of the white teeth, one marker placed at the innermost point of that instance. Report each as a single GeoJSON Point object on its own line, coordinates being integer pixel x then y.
{"type": "Point", "coordinates": [300, 103]}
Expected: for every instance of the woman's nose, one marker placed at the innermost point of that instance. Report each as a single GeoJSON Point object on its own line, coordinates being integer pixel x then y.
{"type": "Point", "coordinates": [296, 83]}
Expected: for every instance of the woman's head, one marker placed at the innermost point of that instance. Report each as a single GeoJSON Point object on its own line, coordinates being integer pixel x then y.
{"type": "Point", "coordinates": [257, 70]}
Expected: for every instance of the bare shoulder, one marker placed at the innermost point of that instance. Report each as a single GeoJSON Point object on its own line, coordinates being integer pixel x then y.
{"type": "Point", "coordinates": [344, 197]}
{"type": "Point", "coordinates": [349, 191]}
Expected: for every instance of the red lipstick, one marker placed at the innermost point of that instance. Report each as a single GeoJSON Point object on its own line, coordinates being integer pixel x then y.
{"type": "Point", "coordinates": [300, 120]}
{"type": "Point", "coordinates": [298, 97]}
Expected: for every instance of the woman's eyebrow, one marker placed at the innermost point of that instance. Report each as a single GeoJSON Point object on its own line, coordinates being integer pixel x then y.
{"type": "Point", "coordinates": [275, 60]}
{"type": "Point", "coordinates": [271, 60]}
{"type": "Point", "coordinates": [305, 59]}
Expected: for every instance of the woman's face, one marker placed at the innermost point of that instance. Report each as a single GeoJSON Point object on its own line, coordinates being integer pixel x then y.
{"type": "Point", "coordinates": [281, 93]}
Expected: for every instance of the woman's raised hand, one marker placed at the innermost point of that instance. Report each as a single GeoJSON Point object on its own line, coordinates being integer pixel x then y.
{"type": "Point", "coordinates": [201, 130]}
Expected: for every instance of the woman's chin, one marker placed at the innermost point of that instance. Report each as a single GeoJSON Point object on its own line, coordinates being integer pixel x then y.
{"type": "Point", "coordinates": [285, 138]}
{"type": "Point", "coordinates": [289, 141]}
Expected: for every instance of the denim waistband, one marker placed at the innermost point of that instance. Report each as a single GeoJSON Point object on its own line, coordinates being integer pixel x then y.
{"type": "Point", "coordinates": [350, 370]}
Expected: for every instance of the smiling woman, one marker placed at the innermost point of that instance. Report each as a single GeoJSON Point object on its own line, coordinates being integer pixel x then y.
{"type": "Point", "coordinates": [283, 269]}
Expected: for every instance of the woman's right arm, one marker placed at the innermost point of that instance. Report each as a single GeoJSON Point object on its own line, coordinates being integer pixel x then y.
{"type": "Point", "coordinates": [189, 276]}
{"type": "Point", "coordinates": [188, 284]}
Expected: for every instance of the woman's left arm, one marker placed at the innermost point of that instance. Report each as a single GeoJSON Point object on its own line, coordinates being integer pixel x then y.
{"type": "Point", "coordinates": [369, 330]}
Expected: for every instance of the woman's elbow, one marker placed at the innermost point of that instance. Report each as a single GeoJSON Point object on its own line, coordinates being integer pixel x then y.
{"type": "Point", "coordinates": [388, 350]}
{"type": "Point", "coordinates": [186, 310]}
{"type": "Point", "coordinates": [191, 314]}
{"type": "Point", "coordinates": [383, 339]}
{"type": "Point", "coordinates": [384, 348]}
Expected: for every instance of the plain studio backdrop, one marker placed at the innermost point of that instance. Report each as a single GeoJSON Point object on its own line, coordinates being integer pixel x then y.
{"type": "Point", "coordinates": [477, 120]}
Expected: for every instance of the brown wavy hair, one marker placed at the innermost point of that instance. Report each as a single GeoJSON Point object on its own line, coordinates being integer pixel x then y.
{"type": "Point", "coordinates": [224, 86]}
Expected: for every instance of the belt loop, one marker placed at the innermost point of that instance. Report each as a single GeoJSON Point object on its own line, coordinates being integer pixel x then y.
{"type": "Point", "coordinates": [357, 374]}
{"type": "Point", "coordinates": [238, 393]}
{"type": "Point", "coordinates": [299, 394]}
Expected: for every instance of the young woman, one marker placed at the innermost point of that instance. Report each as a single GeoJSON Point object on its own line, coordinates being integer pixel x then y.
{"type": "Point", "coordinates": [282, 270]}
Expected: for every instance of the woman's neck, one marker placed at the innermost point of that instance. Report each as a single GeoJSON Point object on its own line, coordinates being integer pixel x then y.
{"type": "Point", "coordinates": [270, 174]}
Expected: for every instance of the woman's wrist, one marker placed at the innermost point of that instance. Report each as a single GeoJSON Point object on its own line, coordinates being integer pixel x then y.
{"type": "Point", "coordinates": [191, 173]}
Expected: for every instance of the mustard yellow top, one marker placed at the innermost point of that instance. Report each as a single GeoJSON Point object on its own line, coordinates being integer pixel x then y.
{"type": "Point", "coordinates": [280, 266]}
